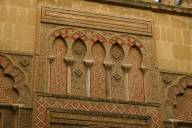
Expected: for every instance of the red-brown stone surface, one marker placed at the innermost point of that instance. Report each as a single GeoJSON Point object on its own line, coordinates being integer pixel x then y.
{"type": "Point", "coordinates": [183, 110]}
{"type": "Point", "coordinates": [7, 93]}
{"type": "Point", "coordinates": [58, 73]}
{"type": "Point", "coordinates": [98, 72]}
{"type": "Point", "coordinates": [136, 77]}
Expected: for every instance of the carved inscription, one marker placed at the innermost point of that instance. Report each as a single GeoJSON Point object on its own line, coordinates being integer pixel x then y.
{"type": "Point", "coordinates": [78, 68]}
{"type": "Point", "coordinates": [117, 79]}
{"type": "Point", "coordinates": [98, 72]}
{"type": "Point", "coordinates": [58, 68]}
{"type": "Point", "coordinates": [136, 77]}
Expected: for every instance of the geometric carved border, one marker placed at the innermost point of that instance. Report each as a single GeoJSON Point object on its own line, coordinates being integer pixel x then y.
{"type": "Point", "coordinates": [44, 102]}
{"type": "Point", "coordinates": [96, 21]}
{"type": "Point", "coordinates": [99, 119]}
{"type": "Point", "coordinates": [19, 77]}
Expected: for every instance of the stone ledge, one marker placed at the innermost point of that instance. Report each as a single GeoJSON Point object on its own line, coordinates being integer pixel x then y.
{"type": "Point", "coordinates": [152, 104]}
{"type": "Point", "coordinates": [156, 7]}
{"type": "Point", "coordinates": [96, 113]}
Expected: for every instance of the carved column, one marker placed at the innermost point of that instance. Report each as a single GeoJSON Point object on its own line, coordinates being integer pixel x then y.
{"type": "Point", "coordinates": [144, 69]}
{"type": "Point", "coordinates": [69, 61]}
{"type": "Point", "coordinates": [108, 66]}
{"type": "Point", "coordinates": [126, 68]}
{"type": "Point", "coordinates": [88, 64]}
{"type": "Point", "coordinates": [50, 60]}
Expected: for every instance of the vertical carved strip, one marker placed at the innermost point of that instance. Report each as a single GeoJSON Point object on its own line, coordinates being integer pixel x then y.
{"type": "Point", "coordinates": [78, 85]}
{"type": "Point", "coordinates": [117, 74]}
{"type": "Point", "coordinates": [58, 73]}
{"type": "Point", "coordinates": [136, 75]}
{"type": "Point", "coordinates": [88, 64]}
{"type": "Point", "coordinates": [144, 70]}
{"type": "Point", "coordinates": [69, 61]}
{"type": "Point", "coordinates": [126, 68]}
{"type": "Point", "coordinates": [108, 67]}
{"type": "Point", "coordinates": [98, 73]}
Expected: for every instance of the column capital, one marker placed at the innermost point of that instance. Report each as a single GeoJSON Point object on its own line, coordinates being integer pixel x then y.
{"type": "Point", "coordinates": [51, 58]}
{"type": "Point", "coordinates": [143, 68]}
{"type": "Point", "coordinates": [126, 67]}
{"type": "Point", "coordinates": [108, 65]}
{"type": "Point", "coordinates": [69, 60]}
{"type": "Point", "coordinates": [88, 62]}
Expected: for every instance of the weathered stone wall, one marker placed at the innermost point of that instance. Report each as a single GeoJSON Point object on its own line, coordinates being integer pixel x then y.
{"type": "Point", "coordinates": [174, 43]}
{"type": "Point", "coordinates": [18, 25]}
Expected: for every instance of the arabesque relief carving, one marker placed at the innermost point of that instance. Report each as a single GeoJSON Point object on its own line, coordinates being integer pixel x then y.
{"type": "Point", "coordinates": [58, 83]}
{"type": "Point", "coordinates": [96, 64]}
{"type": "Point", "coordinates": [79, 51]}
{"type": "Point", "coordinates": [98, 71]}
{"type": "Point", "coordinates": [179, 98]}
{"type": "Point", "coordinates": [136, 75]}
{"type": "Point", "coordinates": [7, 92]}
{"type": "Point", "coordinates": [98, 56]}
{"type": "Point", "coordinates": [13, 83]}
{"type": "Point", "coordinates": [117, 78]}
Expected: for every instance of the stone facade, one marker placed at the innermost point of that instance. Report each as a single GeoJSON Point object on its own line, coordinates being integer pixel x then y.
{"type": "Point", "coordinates": [95, 64]}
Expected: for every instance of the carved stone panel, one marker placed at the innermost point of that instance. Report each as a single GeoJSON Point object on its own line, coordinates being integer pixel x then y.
{"type": "Point", "coordinates": [7, 93]}
{"type": "Point", "coordinates": [117, 74]}
{"type": "Point", "coordinates": [7, 118]}
{"type": "Point", "coordinates": [178, 99]}
{"type": "Point", "coordinates": [25, 118]}
{"type": "Point", "coordinates": [98, 72]}
{"type": "Point", "coordinates": [78, 86]}
{"type": "Point", "coordinates": [13, 82]}
{"type": "Point", "coordinates": [84, 119]}
{"type": "Point", "coordinates": [58, 73]}
{"type": "Point", "coordinates": [136, 76]}
{"type": "Point", "coordinates": [183, 108]}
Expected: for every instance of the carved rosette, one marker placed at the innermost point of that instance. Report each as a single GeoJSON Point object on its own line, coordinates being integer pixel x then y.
{"type": "Point", "coordinates": [117, 75]}
{"type": "Point", "coordinates": [78, 80]}
{"type": "Point", "coordinates": [118, 61]}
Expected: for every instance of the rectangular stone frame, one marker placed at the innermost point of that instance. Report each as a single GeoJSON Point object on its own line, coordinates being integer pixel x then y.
{"type": "Point", "coordinates": [95, 119]}
{"type": "Point", "coordinates": [51, 18]}
{"type": "Point", "coordinates": [45, 104]}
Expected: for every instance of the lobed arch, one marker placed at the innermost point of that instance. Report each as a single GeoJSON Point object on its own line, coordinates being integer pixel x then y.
{"type": "Point", "coordinates": [69, 35]}
{"type": "Point", "coordinates": [79, 35]}
{"type": "Point", "coordinates": [132, 41]}
{"type": "Point", "coordinates": [58, 32]}
{"type": "Point", "coordinates": [116, 39]}
{"type": "Point", "coordinates": [178, 88]}
{"type": "Point", "coordinates": [19, 77]}
{"type": "Point", "coordinates": [173, 92]}
{"type": "Point", "coordinates": [98, 37]}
